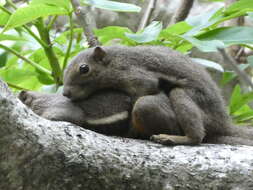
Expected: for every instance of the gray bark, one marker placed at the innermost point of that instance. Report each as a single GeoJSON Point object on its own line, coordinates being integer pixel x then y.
{"type": "Point", "coordinates": [39, 154]}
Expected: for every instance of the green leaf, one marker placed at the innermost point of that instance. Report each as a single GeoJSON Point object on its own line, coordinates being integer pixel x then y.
{"type": "Point", "coordinates": [4, 17]}
{"type": "Point", "coordinates": [230, 35]}
{"type": "Point", "coordinates": [3, 59]}
{"type": "Point", "coordinates": [227, 77]}
{"type": "Point", "coordinates": [230, 75]}
{"type": "Point", "coordinates": [239, 5]}
{"type": "Point", "coordinates": [205, 46]}
{"type": "Point", "coordinates": [150, 33]}
{"type": "Point", "coordinates": [62, 39]}
{"type": "Point", "coordinates": [112, 32]}
{"type": "Point", "coordinates": [113, 6]}
{"type": "Point", "coordinates": [202, 21]}
{"type": "Point", "coordinates": [244, 114]}
{"type": "Point", "coordinates": [178, 28]}
{"type": "Point", "coordinates": [27, 14]}
{"type": "Point", "coordinates": [20, 77]}
{"type": "Point", "coordinates": [235, 99]}
{"type": "Point", "coordinates": [58, 3]}
{"type": "Point", "coordinates": [238, 100]}
{"type": "Point", "coordinates": [208, 63]}
{"type": "Point", "coordinates": [11, 37]}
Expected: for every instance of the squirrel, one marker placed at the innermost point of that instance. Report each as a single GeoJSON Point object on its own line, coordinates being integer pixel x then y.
{"type": "Point", "coordinates": [160, 81]}
{"type": "Point", "coordinates": [105, 112]}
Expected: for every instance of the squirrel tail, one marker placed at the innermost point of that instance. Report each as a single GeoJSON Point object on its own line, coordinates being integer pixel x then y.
{"type": "Point", "coordinates": [238, 135]}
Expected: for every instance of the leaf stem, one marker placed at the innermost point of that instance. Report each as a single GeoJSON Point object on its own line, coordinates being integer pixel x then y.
{"type": "Point", "coordinates": [5, 10]}
{"type": "Point", "coordinates": [17, 87]}
{"type": "Point", "coordinates": [53, 61]}
{"type": "Point", "coordinates": [37, 66]}
{"type": "Point", "coordinates": [11, 4]}
{"type": "Point", "coordinates": [70, 42]}
{"type": "Point", "coordinates": [50, 24]}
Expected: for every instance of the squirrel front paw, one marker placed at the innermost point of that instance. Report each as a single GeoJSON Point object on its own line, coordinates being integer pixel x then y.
{"type": "Point", "coordinates": [162, 139]}
{"type": "Point", "coordinates": [26, 97]}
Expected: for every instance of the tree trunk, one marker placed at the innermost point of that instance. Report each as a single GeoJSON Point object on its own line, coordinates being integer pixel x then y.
{"type": "Point", "coordinates": [44, 155]}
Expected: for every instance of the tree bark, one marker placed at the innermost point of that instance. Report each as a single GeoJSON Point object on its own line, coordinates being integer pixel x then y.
{"type": "Point", "coordinates": [39, 154]}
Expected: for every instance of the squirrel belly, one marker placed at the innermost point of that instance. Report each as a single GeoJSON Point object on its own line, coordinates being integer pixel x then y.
{"type": "Point", "coordinates": [115, 118]}
{"type": "Point", "coordinates": [116, 124]}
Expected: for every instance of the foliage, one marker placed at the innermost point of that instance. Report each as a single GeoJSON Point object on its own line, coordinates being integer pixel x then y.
{"type": "Point", "coordinates": [36, 54]}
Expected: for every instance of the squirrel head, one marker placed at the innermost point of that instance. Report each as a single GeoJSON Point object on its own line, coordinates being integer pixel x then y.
{"type": "Point", "coordinates": [82, 76]}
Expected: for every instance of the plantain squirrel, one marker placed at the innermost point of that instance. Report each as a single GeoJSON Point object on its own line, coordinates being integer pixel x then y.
{"type": "Point", "coordinates": [160, 82]}
{"type": "Point", "coordinates": [107, 112]}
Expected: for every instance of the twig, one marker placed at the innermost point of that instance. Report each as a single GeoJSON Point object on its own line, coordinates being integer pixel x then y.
{"type": "Point", "coordinates": [147, 14]}
{"type": "Point", "coordinates": [37, 66]}
{"type": "Point", "coordinates": [85, 20]}
{"type": "Point", "coordinates": [70, 42]}
{"type": "Point", "coordinates": [233, 65]}
{"type": "Point", "coordinates": [182, 12]}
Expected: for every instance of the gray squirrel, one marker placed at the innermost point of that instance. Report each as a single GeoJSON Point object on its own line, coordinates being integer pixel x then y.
{"type": "Point", "coordinates": [106, 112]}
{"type": "Point", "coordinates": [160, 82]}
{"type": "Point", "coordinates": [153, 110]}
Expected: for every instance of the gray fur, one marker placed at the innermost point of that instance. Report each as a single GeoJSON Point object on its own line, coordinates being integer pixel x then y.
{"type": "Point", "coordinates": [101, 106]}
{"type": "Point", "coordinates": [195, 99]}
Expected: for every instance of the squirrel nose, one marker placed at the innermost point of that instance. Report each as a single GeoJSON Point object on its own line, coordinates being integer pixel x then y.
{"type": "Point", "coordinates": [67, 93]}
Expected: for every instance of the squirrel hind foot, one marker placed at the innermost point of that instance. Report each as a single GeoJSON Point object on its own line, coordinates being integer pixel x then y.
{"type": "Point", "coordinates": [173, 140]}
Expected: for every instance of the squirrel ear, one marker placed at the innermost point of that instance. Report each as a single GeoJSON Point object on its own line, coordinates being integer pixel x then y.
{"type": "Point", "coordinates": [99, 53]}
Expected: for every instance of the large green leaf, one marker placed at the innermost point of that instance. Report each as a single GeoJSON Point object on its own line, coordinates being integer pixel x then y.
{"type": "Point", "coordinates": [109, 33]}
{"type": "Point", "coordinates": [178, 28]}
{"type": "Point", "coordinates": [27, 14]}
{"type": "Point", "coordinates": [112, 5]}
{"type": "Point", "coordinates": [58, 3]}
{"type": "Point", "coordinates": [205, 46]}
{"type": "Point", "coordinates": [230, 35]}
{"type": "Point", "coordinates": [150, 33]}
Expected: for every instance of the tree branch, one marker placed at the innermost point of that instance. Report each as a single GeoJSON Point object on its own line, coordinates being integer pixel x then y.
{"type": "Point", "coordinates": [182, 12]}
{"type": "Point", "coordinates": [86, 21]}
{"type": "Point", "coordinates": [36, 153]}
{"type": "Point", "coordinates": [233, 65]}
{"type": "Point", "coordinates": [147, 15]}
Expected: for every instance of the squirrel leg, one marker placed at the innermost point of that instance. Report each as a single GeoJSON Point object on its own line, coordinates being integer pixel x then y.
{"type": "Point", "coordinates": [189, 118]}
{"type": "Point", "coordinates": [152, 115]}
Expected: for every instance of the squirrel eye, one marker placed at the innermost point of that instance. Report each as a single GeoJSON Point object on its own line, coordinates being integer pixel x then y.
{"type": "Point", "coordinates": [84, 69]}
